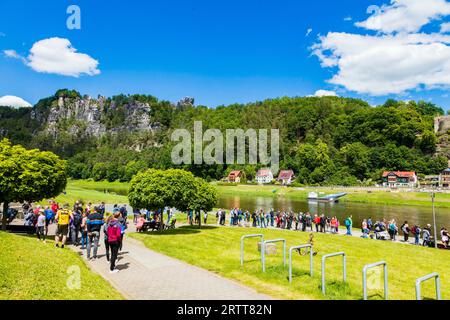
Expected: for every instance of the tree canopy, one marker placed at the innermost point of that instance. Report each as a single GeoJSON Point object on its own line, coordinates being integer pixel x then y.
{"type": "Point", "coordinates": [29, 175]}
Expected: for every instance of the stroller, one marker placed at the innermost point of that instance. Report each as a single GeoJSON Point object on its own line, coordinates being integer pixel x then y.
{"type": "Point", "coordinates": [380, 231]}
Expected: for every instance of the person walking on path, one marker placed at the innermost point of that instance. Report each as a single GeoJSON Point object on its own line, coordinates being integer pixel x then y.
{"type": "Point", "coordinates": [49, 217]}
{"type": "Point", "coordinates": [416, 231]}
{"type": "Point", "coordinates": [77, 219]}
{"type": "Point", "coordinates": [83, 229]}
{"type": "Point", "coordinates": [426, 235]}
{"type": "Point", "coordinates": [63, 219]}
{"type": "Point", "coordinates": [392, 229]}
{"type": "Point", "coordinates": [406, 230]}
{"type": "Point", "coordinates": [349, 225]}
{"type": "Point", "coordinates": [114, 234]}
{"type": "Point", "coordinates": [40, 226]}
{"type": "Point", "coordinates": [94, 225]}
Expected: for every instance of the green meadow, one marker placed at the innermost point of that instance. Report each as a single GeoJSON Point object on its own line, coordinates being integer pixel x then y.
{"type": "Point", "coordinates": [218, 249]}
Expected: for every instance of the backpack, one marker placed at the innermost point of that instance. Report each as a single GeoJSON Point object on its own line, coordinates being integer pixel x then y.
{"type": "Point", "coordinates": [113, 235]}
{"type": "Point", "coordinates": [347, 222]}
{"type": "Point", "coordinates": [77, 218]}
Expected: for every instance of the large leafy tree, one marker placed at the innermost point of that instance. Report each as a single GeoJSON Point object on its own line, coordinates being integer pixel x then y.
{"type": "Point", "coordinates": [155, 189]}
{"type": "Point", "coordinates": [28, 175]}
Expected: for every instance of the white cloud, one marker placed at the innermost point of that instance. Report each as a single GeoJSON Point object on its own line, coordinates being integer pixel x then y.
{"type": "Point", "coordinates": [389, 63]}
{"type": "Point", "coordinates": [57, 56]}
{"type": "Point", "coordinates": [13, 101]}
{"type": "Point", "coordinates": [348, 18]}
{"type": "Point", "coordinates": [308, 32]}
{"type": "Point", "coordinates": [325, 93]}
{"type": "Point", "coordinates": [405, 15]}
{"type": "Point", "coordinates": [445, 27]}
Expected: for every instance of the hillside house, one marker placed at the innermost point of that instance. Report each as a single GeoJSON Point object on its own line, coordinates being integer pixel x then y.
{"type": "Point", "coordinates": [399, 179]}
{"type": "Point", "coordinates": [235, 176]}
{"type": "Point", "coordinates": [286, 177]}
{"type": "Point", "coordinates": [264, 176]}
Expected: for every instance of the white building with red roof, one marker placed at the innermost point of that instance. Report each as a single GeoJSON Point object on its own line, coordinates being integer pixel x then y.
{"type": "Point", "coordinates": [398, 179]}
{"type": "Point", "coordinates": [286, 177]}
{"type": "Point", "coordinates": [264, 176]}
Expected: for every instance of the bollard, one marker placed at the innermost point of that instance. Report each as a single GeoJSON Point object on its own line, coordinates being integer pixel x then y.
{"type": "Point", "coordinates": [419, 281]}
{"type": "Point", "coordinates": [344, 267]}
{"type": "Point", "coordinates": [373, 265]}
{"type": "Point", "coordinates": [261, 236]}
{"type": "Point", "coordinates": [310, 259]}
{"type": "Point", "coordinates": [263, 251]}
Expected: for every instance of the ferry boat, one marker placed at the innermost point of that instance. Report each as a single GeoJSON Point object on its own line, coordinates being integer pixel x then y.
{"type": "Point", "coordinates": [314, 196]}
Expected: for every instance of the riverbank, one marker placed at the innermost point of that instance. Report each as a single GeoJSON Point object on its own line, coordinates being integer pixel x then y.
{"type": "Point", "coordinates": [115, 192]}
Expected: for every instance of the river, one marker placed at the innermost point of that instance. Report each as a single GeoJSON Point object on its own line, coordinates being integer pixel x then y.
{"type": "Point", "coordinates": [359, 211]}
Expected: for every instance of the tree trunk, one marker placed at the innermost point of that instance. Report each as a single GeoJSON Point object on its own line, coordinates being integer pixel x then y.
{"type": "Point", "coordinates": [199, 219]}
{"type": "Point", "coordinates": [5, 215]}
{"type": "Point", "coordinates": [161, 225]}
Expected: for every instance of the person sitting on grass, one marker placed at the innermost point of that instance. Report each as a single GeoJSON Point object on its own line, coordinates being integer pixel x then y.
{"type": "Point", "coordinates": [444, 237]}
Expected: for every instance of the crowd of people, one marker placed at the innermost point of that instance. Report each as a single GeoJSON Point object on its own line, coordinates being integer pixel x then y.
{"type": "Point", "coordinates": [380, 230]}
{"type": "Point", "coordinates": [82, 226]}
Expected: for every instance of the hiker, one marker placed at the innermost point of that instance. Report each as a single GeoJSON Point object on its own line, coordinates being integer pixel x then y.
{"type": "Point", "coordinates": [444, 237]}
{"type": "Point", "coordinates": [63, 219]}
{"type": "Point", "coordinates": [349, 224]}
{"type": "Point", "coordinates": [364, 229]}
{"type": "Point", "coordinates": [406, 230]}
{"type": "Point", "coordinates": [114, 235]}
{"type": "Point", "coordinates": [105, 236]}
{"type": "Point", "coordinates": [102, 209]}
{"type": "Point", "coordinates": [272, 217]}
{"type": "Point", "coordinates": [205, 218]}
{"type": "Point", "coordinates": [426, 235]}
{"type": "Point", "coordinates": [40, 226]}
{"type": "Point", "coordinates": [322, 223]}
{"type": "Point", "coordinates": [83, 229]}
{"type": "Point", "coordinates": [369, 224]}
{"type": "Point", "coordinates": [49, 217]}
{"type": "Point", "coordinates": [316, 222]}
{"type": "Point", "coordinates": [416, 231]}
{"type": "Point", "coordinates": [392, 229]}
{"type": "Point", "coordinates": [123, 227]}
{"type": "Point", "coordinates": [75, 226]}
{"type": "Point", "coordinates": [94, 224]}
{"type": "Point", "coordinates": [136, 215]}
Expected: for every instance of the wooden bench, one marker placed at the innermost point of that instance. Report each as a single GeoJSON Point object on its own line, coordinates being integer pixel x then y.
{"type": "Point", "coordinates": [151, 225]}
{"type": "Point", "coordinates": [20, 229]}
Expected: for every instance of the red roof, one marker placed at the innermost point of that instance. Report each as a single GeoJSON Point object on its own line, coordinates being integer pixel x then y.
{"type": "Point", "coordinates": [400, 174]}
{"type": "Point", "coordinates": [234, 174]}
{"type": "Point", "coordinates": [285, 174]}
{"type": "Point", "coordinates": [263, 172]}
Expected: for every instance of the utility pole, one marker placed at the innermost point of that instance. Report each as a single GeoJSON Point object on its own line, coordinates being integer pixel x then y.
{"type": "Point", "coordinates": [434, 219]}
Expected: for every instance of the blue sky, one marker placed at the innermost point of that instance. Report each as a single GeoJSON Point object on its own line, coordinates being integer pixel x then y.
{"type": "Point", "coordinates": [220, 52]}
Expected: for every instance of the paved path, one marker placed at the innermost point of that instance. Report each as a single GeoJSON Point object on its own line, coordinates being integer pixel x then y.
{"type": "Point", "coordinates": [147, 275]}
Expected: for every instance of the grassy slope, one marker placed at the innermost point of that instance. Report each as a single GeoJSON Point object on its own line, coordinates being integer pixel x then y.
{"type": "Point", "coordinates": [36, 271]}
{"type": "Point", "coordinates": [218, 250]}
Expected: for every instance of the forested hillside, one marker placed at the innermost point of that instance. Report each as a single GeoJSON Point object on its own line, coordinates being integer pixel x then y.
{"type": "Point", "coordinates": [328, 140]}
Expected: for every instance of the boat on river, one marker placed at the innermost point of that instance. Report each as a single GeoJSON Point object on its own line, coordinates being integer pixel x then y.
{"type": "Point", "coordinates": [314, 196]}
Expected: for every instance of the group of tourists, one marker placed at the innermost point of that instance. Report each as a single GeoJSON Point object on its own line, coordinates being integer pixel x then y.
{"type": "Point", "coordinates": [380, 230]}
{"type": "Point", "coordinates": [391, 228]}
{"type": "Point", "coordinates": [82, 225]}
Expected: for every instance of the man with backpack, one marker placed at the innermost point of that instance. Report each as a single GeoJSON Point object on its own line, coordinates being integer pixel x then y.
{"type": "Point", "coordinates": [49, 217]}
{"type": "Point", "coordinates": [348, 224]}
{"type": "Point", "coordinates": [63, 219]}
{"type": "Point", "coordinates": [77, 218]}
{"type": "Point", "coordinates": [94, 224]}
{"type": "Point", "coordinates": [416, 231]}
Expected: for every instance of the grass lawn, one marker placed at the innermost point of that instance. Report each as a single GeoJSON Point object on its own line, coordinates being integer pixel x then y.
{"type": "Point", "coordinates": [218, 249]}
{"type": "Point", "coordinates": [31, 270]}
{"type": "Point", "coordinates": [87, 192]}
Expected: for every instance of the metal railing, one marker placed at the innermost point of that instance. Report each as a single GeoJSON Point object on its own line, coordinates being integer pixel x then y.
{"type": "Point", "coordinates": [261, 236]}
{"type": "Point", "coordinates": [373, 265]}
{"type": "Point", "coordinates": [344, 267]}
{"type": "Point", "coordinates": [311, 255]}
{"type": "Point", "coordinates": [419, 281]}
{"type": "Point", "coordinates": [263, 251]}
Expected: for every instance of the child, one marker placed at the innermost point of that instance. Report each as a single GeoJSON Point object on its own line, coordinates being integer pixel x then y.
{"type": "Point", "coordinates": [40, 226]}
{"type": "Point", "coordinates": [140, 223]}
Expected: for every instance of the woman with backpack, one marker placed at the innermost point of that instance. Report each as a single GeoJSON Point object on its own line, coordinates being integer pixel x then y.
{"type": "Point", "coordinates": [406, 230]}
{"type": "Point", "coordinates": [113, 233]}
{"type": "Point", "coordinates": [392, 229]}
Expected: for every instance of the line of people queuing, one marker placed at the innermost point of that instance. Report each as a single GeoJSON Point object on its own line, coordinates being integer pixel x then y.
{"type": "Point", "coordinates": [82, 226]}
{"type": "Point", "coordinates": [289, 220]}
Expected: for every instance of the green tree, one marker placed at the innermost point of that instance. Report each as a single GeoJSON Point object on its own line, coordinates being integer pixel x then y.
{"type": "Point", "coordinates": [28, 175]}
